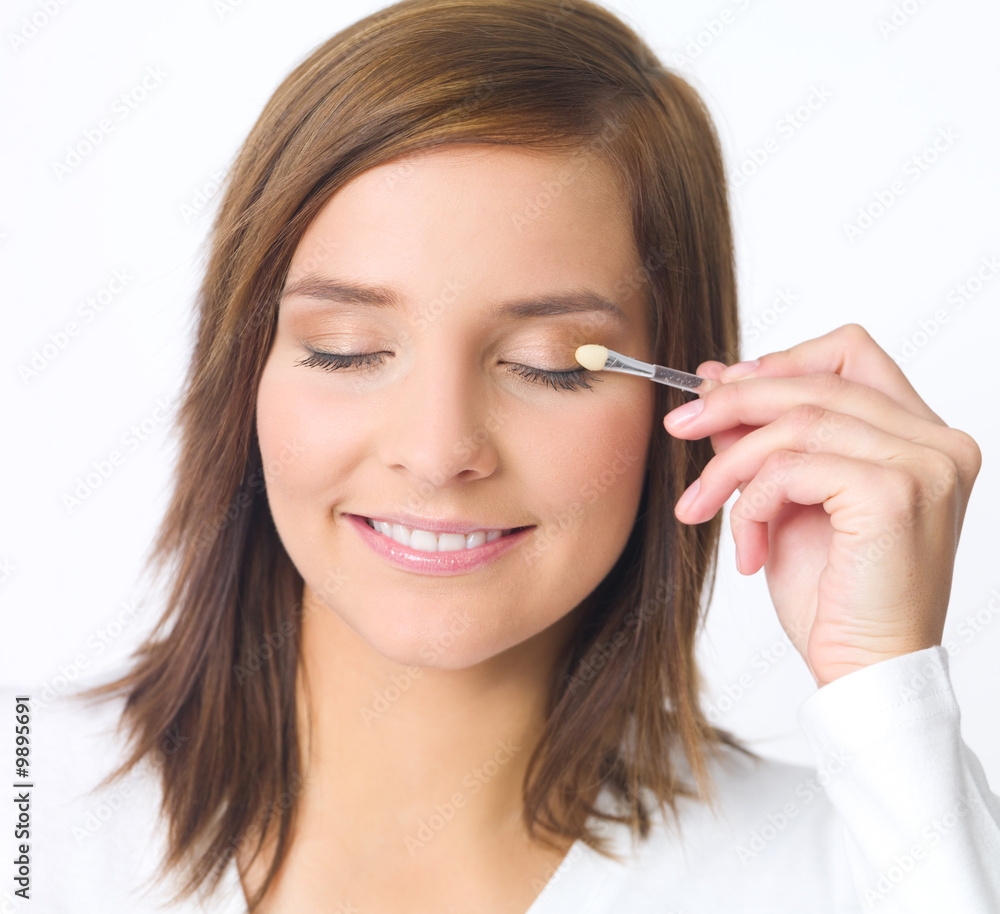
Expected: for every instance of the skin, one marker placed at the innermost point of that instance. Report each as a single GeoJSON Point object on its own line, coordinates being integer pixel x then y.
{"type": "Point", "coordinates": [444, 428]}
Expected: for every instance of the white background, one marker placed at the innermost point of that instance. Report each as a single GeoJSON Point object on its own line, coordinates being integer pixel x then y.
{"type": "Point", "coordinates": [883, 79]}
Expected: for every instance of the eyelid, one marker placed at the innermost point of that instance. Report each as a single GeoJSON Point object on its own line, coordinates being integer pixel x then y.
{"type": "Point", "coordinates": [569, 379]}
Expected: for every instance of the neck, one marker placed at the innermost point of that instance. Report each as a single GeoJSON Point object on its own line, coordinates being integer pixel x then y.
{"type": "Point", "coordinates": [428, 761]}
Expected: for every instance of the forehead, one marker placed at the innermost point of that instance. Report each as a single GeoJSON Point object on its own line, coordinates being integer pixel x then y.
{"type": "Point", "coordinates": [498, 222]}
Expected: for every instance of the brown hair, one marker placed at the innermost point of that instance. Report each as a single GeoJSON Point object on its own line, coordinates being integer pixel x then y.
{"type": "Point", "coordinates": [415, 75]}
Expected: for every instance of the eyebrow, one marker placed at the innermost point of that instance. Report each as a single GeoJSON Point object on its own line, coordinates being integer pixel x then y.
{"type": "Point", "coordinates": [324, 288]}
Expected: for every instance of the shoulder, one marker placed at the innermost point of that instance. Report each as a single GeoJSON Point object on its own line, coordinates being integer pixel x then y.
{"type": "Point", "coordinates": [94, 846]}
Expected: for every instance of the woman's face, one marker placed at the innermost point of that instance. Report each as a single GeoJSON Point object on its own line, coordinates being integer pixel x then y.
{"type": "Point", "coordinates": [444, 425]}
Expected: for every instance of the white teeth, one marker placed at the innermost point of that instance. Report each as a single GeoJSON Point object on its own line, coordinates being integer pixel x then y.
{"type": "Point", "coordinates": [425, 541]}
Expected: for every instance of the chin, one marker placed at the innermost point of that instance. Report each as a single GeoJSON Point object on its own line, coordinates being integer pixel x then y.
{"type": "Point", "coordinates": [456, 643]}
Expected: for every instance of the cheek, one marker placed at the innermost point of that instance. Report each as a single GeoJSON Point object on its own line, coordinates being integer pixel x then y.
{"type": "Point", "coordinates": [303, 450]}
{"type": "Point", "coordinates": [588, 468]}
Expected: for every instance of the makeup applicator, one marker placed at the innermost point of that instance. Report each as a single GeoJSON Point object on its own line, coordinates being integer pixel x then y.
{"type": "Point", "coordinates": [600, 358]}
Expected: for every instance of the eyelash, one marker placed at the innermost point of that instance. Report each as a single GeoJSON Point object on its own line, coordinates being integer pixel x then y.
{"type": "Point", "coordinates": [557, 380]}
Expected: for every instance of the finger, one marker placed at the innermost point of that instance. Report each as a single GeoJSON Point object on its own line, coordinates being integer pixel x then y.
{"type": "Point", "coordinates": [848, 351]}
{"type": "Point", "coordinates": [725, 438]}
{"type": "Point", "coordinates": [710, 369]}
{"type": "Point", "coordinates": [782, 482]}
{"type": "Point", "coordinates": [791, 478]}
{"type": "Point", "coordinates": [808, 430]}
{"type": "Point", "coordinates": [758, 401]}
{"type": "Point", "coordinates": [722, 440]}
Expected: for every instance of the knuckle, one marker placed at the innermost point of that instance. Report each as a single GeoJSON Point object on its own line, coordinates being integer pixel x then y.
{"type": "Point", "coordinates": [899, 491]}
{"type": "Point", "coordinates": [945, 473]}
{"type": "Point", "coordinates": [780, 463]}
{"type": "Point", "coordinates": [828, 384]}
{"type": "Point", "coordinates": [969, 456]}
{"type": "Point", "coordinates": [855, 333]}
{"type": "Point", "coordinates": [805, 417]}
{"type": "Point", "coordinates": [726, 396]}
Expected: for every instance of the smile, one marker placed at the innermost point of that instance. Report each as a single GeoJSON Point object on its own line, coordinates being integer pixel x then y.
{"type": "Point", "coordinates": [426, 541]}
{"type": "Point", "coordinates": [423, 552]}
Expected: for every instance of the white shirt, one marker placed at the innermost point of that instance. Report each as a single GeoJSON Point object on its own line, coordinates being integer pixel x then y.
{"type": "Point", "coordinates": [896, 817]}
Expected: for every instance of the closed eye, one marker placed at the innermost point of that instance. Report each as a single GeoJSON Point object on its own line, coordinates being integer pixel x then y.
{"type": "Point", "coordinates": [575, 379]}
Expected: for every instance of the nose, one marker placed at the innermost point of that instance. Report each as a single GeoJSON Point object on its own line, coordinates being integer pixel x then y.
{"type": "Point", "coordinates": [437, 428]}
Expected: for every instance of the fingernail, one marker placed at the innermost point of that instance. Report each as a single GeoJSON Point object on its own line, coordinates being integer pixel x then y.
{"type": "Point", "coordinates": [690, 494]}
{"type": "Point", "coordinates": [684, 414]}
{"type": "Point", "coordinates": [739, 370]}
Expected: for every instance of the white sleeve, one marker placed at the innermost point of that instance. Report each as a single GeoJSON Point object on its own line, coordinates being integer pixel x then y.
{"type": "Point", "coordinates": [921, 825]}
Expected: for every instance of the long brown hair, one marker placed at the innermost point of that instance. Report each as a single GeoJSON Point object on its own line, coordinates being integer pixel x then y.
{"type": "Point", "coordinates": [538, 74]}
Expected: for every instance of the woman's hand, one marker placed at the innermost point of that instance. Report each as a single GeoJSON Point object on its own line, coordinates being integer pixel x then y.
{"type": "Point", "coordinates": [853, 495]}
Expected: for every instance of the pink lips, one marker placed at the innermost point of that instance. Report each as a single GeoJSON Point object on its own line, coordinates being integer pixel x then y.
{"type": "Point", "coordinates": [459, 561]}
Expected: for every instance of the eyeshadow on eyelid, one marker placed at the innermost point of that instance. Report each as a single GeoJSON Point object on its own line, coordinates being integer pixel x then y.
{"type": "Point", "coordinates": [554, 340]}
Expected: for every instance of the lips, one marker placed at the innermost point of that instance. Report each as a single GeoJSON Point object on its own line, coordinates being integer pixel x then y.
{"type": "Point", "coordinates": [454, 561]}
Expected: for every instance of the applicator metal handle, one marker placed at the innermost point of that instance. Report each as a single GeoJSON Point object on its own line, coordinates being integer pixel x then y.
{"type": "Point", "coordinates": [661, 374]}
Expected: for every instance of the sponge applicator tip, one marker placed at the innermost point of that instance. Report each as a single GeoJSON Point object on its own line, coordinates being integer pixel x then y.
{"type": "Point", "coordinates": [592, 356]}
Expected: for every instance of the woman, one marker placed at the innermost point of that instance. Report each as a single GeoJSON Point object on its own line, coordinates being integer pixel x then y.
{"type": "Point", "coordinates": [430, 642]}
